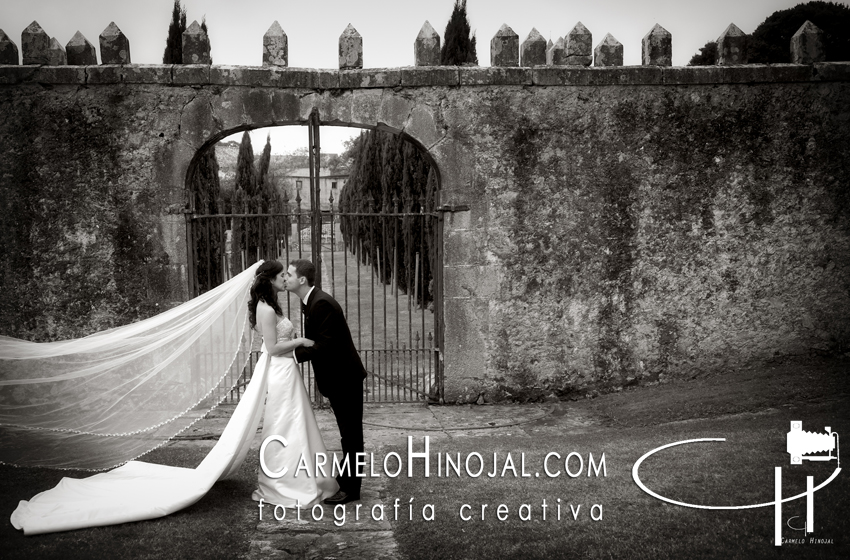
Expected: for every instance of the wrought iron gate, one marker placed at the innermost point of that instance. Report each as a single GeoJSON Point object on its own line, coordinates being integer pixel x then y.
{"type": "Point", "coordinates": [396, 324]}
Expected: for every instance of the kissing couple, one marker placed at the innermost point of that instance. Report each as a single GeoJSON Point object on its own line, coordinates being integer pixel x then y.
{"type": "Point", "coordinates": [339, 374]}
{"type": "Point", "coordinates": [121, 390]}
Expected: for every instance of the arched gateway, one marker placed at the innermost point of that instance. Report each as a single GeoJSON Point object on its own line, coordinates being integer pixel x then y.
{"type": "Point", "coordinates": [382, 262]}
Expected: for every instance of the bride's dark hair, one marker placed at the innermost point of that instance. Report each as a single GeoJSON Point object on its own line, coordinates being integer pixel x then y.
{"type": "Point", "coordinates": [261, 290]}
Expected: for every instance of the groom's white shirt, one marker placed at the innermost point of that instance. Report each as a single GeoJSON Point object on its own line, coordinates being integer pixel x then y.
{"type": "Point", "coordinates": [307, 297]}
{"type": "Point", "coordinates": [304, 301]}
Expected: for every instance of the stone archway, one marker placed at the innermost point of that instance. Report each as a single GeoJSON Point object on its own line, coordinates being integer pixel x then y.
{"type": "Point", "coordinates": [404, 363]}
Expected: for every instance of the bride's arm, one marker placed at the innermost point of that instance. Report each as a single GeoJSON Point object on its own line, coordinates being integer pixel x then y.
{"type": "Point", "coordinates": [267, 322]}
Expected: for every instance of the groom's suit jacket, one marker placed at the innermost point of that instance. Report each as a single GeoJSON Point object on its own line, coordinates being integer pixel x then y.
{"type": "Point", "coordinates": [335, 360]}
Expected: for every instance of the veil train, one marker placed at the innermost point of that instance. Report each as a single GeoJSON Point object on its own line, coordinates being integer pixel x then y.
{"type": "Point", "coordinates": [99, 401]}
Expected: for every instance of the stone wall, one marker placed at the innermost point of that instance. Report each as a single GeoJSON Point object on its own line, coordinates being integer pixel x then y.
{"type": "Point", "coordinates": [626, 234]}
{"type": "Point", "coordinates": [610, 225]}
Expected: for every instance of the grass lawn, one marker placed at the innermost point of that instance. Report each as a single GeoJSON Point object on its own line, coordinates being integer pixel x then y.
{"type": "Point", "coordinates": [216, 527]}
{"type": "Point", "coordinates": [630, 523]}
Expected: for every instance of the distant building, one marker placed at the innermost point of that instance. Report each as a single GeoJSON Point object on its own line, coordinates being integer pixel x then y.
{"type": "Point", "coordinates": [298, 180]}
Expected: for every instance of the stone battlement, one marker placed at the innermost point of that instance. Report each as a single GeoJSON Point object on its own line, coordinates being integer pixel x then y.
{"type": "Point", "coordinates": [421, 76]}
{"type": "Point", "coordinates": [574, 50]}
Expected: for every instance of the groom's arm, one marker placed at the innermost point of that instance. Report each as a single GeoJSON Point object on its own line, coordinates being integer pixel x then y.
{"type": "Point", "coordinates": [322, 318]}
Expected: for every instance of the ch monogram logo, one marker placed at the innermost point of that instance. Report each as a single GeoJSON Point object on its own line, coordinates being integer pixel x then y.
{"type": "Point", "coordinates": [801, 446]}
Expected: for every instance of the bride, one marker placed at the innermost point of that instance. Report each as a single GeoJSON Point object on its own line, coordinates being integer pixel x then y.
{"type": "Point", "coordinates": [106, 399]}
{"type": "Point", "coordinates": [288, 412]}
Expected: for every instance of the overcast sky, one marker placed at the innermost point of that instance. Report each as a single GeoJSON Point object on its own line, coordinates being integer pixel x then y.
{"type": "Point", "coordinates": [388, 28]}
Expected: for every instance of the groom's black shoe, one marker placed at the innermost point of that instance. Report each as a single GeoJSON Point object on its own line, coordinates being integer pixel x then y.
{"type": "Point", "coordinates": [341, 497]}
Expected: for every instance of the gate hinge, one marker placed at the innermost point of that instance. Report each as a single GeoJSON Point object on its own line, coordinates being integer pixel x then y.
{"type": "Point", "coordinates": [450, 208]}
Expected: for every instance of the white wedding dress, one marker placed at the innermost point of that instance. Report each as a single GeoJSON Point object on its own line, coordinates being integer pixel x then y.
{"type": "Point", "coordinates": [289, 415]}
{"type": "Point", "coordinates": [137, 490]}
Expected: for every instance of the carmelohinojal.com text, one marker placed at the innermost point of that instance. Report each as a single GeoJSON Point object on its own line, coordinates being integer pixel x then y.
{"type": "Point", "coordinates": [473, 465]}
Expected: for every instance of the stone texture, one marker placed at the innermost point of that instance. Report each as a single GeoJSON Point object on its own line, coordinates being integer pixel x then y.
{"type": "Point", "coordinates": [831, 71]}
{"type": "Point", "coordinates": [426, 47]}
{"type": "Point", "coordinates": [105, 74]}
{"type": "Point", "coordinates": [371, 78]}
{"type": "Point", "coordinates": [308, 78]}
{"type": "Point", "coordinates": [555, 55]}
{"type": "Point", "coordinates": [609, 52]}
{"type": "Point", "coordinates": [8, 50]}
{"type": "Point", "coordinates": [42, 74]}
{"type": "Point", "coordinates": [196, 45]}
{"type": "Point", "coordinates": [114, 46]}
{"type": "Point", "coordinates": [56, 54]}
{"type": "Point", "coordinates": [35, 45]}
{"type": "Point", "coordinates": [495, 75]}
{"type": "Point", "coordinates": [422, 125]}
{"type": "Point", "coordinates": [732, 46]}
{"type": "Point", "coordinates": [657, 47]}
{"type": "Point", "coordinates": [612, 76]}
{"type": "Point", "coordinates": [350, 49]}
{"type": "Point", "coordinates": [146, 74]}
{"type": "Point", "coordinates": [275, 46]}
{"type": "Point", "coordinates": [432, 76]}
{"type": "Point", "coordinates": [190, 74]}
{"type": "Point", "coordinates": [578, 46]}
{"type": "Point", "coordinates": [749, 74]}
{"type": "Point", "coordinates": [807, 45]}
{"type": "Point", "coordinates": [533, 50]}
{"type": "Point", "coordinates": [504, 47]}
{"type": "Point", "coordinates": [80, 51]}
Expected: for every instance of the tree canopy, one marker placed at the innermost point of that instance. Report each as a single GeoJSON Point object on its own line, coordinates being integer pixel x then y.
{"type": "Point", "coordinates": [706, 56]}
{"type": "Point", "coordinates": [771, 41]}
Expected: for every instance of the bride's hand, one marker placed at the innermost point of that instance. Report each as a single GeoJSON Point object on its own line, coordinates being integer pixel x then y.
{"type": "Point", "coordinates": [307, 343]}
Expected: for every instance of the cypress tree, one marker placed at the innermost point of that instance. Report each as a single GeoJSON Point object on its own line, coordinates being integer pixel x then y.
{"type": "Point", "coordinates": [204, 29]}
{"type": "Point", "coordinates": [206, 188]}
{"type": "Point", "coordinates": [246, 178]}
{"type": "Point", "coordinates": [245, 235]}
{"type": "Point", "coordinates": [458, 40]}
{"type": "Point", "coordinates": [263, 171]}
{"type": "Point", "coordinates": [174, 43]}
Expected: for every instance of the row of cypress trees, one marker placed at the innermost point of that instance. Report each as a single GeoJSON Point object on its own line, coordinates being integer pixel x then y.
{"type": "Point", "coordinates": [391, 175]}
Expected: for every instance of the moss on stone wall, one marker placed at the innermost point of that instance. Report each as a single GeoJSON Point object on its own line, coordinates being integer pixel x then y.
{"type": "Point", "coordinates": [658, 232]}
{"type": "Point", "coordinates": [83, 254]}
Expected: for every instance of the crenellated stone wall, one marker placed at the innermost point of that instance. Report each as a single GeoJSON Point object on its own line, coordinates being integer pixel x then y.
{"type": "Point", "coordinates": [604, 225]}
{"type": "Point", "coordinates": [575, 49]}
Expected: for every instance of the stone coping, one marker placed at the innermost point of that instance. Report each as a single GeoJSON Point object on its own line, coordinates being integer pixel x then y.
{"type": "Point", "coordinates": [421, 76]}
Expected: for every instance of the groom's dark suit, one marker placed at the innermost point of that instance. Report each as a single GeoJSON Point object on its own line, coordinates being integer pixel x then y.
{"type": "Point", "coordinates": [339, 374]}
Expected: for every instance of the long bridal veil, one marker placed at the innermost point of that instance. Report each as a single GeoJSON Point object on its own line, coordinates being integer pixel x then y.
{"type": "Point", "coordinates": [99, 401]}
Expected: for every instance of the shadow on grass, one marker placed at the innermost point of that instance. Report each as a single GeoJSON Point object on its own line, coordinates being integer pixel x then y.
{"type": "Point", "coordinates": [217, 526]}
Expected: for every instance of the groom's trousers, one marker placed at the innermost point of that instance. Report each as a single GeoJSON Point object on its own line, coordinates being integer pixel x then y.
{"type": "Point", "coordinates": [347, 406]}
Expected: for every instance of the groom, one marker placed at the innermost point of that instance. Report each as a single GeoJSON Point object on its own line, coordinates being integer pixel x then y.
{"type": "Point", "coordinates": [337, 366]}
